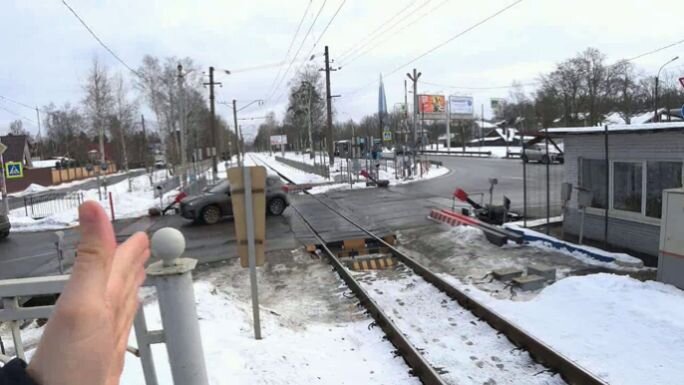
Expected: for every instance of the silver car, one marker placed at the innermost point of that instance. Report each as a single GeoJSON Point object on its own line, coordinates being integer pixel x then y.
{"type": "Point", "coordinates": [537, 153]}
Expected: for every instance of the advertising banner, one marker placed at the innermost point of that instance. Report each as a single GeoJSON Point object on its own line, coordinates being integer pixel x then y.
{"type": "Point", "coordinates": [277, 140]}
{"type": "Point", "coordinates": [461, 107]}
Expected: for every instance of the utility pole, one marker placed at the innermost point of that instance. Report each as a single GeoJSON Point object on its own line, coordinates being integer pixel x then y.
{"type": "Point", "coordinates": [405, 111]}
{"type": "Point", "coordinates": [40, 137]}
{"type": "Point", "coordinates": [3, 186]}
{"type": "Point", "coordinates": [328, 103]}
{"type": "Point", "coordinates": [214, 131]}
{"type": "Point", "coordinates": [312, 153]}
{"type": "Point", "coordinates": [448, 124]}
{"type": "Point", "coordinates": [181, 122]}
{"type": "Point", "coordinates": [237, 133]}
{"type": "Point", "coordinates": [144, 140]}
{"type": "Point", "coordinates": [414, 78]}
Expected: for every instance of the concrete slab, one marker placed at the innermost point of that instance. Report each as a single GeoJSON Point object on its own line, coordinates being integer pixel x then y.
{"type": "Point", "coordinates": [549, 273]}
{"type": "Point", "coordinates": [529, 282]}
{"type": "Point", "coordinates": [506, 274]}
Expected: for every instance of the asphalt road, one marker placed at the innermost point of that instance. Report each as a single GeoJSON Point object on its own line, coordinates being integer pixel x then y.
{"type": "Point", "coordinates": [400, 207]}
{"type": "Point", "coordinates": [473, 174]}
{"type": "Point", "coordinates": [35, 253]}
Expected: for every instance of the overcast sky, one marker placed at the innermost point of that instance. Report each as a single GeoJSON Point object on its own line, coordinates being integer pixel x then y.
{"type": "Point", "coordinates": [46, 51]}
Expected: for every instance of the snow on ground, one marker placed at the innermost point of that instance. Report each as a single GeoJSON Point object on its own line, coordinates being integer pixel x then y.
{"type": "Point", "coordinates": [452, 338]}
{"type": "Point", "coordinates": [302, 177]}
{"type": "Point", "coordinates": [35, 188]}
{"type": "Point", "coordinates": [126, 205]}
{"type": "Point", "coordinates": [319, 353]}
{"type": "Point", "coordinates": [624, 330]}
{"type": "Point", "coordinates": [622, 261]}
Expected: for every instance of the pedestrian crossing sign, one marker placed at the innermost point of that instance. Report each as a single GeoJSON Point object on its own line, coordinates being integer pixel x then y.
{"type": "Point", "coordinates": [14, 170]}
{"type": "Point", "coordinates": [387, 135]}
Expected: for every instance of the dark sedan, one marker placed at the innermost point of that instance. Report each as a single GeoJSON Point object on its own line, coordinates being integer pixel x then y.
{"type": "Point", "coordinates": [215, 203]}
{"type": "Point", "coordinates": [4, 226]}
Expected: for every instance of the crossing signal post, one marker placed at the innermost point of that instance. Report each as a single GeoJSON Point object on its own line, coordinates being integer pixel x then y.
{"type": "Point", "coordinates": [248, 197]}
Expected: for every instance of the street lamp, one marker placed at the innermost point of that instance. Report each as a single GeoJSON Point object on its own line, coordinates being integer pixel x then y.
{"type": "Point", "coordinates": [655, 99]}
{"type": "Point", "coordinates": [94, 156]}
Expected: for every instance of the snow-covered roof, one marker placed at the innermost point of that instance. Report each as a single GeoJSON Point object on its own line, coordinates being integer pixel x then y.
{"type": "Point", "coordinates": [624, 128]}
{"type": "Point", "coordinates": [485, 124]}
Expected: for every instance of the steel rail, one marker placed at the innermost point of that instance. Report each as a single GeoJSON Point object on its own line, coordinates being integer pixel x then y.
{"type": "Point", "coordinates": [570, 371]}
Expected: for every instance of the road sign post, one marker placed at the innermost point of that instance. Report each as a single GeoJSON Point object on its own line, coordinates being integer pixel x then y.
{"type": "Point", "coordinates": [3, 183]}
{"type": "Point", "coordinates": [14, 170]}
{"type": "Point", "coordinates": [248, 197]}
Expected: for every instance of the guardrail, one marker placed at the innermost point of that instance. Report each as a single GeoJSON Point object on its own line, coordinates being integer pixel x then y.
{"type": "Point", "coordinates": [44, 204]}
{"type": "Point", "coordinates": [172, 279]}
{"type": "Point", "coordinates": [318, 169]}
{"type": "Point", "coordinates": [458, 153]}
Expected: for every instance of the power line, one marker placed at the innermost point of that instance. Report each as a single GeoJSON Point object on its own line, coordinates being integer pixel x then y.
{"type": "Point", "coordinates": [370, 35]}
{"type": "Point", "coordinates": [456, 36]}
{"type": "Point", "coordinates": [289, 49]}
{"type": "Point", "coordinates": [481, 88]}
{"type": "Point", "coordinates": [375, 44]}
{"type": "Point", "coordinates": [17, 114]}
{"type": "Point", "coordinates": [440, 45]}
{"type": "Point", "coordinates": [328, 25]}
{"type": "Point", "coordinates": [17, 102]}
{"type": "Point", "coordinates": [308, 32]}
{"type": "Point", "coordinates": [655, 51]}
{"type": "Point", "coordinates": [99, 40]}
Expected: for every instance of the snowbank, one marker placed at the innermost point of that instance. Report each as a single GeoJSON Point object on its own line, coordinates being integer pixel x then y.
{"type": "Point", "coordinates": [302, 177]}
{"type": "Point", "coordinates": [585, 253]}
{"type": "Point", "coordinates": [626, 331]}
{"type": "Point", "coordinates": [345, 353]}
{"type": "Point", "coordinates": [126, 205]}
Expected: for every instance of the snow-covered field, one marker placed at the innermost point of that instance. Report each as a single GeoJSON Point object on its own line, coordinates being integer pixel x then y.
{"type": "Point", "coordinates": [450, 337]}
{"type": "Point", "coordinates": [626, 331]}
{"type": "Point", "coordinates": [126, 205]}
{"type": "Point", "coordinates": [302, 177]}
{"type": "Point", "coordinates": [320, 353]}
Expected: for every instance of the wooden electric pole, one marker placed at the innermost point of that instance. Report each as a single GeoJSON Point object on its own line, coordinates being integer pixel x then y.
{"type": "Point", "coordinates": [214, 130]}
{"type": "Point", "coordinates": [330, 142]}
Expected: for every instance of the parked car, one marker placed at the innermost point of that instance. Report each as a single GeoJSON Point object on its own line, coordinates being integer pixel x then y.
{"type": "Point", "coordinates": [215, 202]}
{"type": "Point", "coordinates": [537, 153]}
{"type": "Point", "coordinates": [4, 226]}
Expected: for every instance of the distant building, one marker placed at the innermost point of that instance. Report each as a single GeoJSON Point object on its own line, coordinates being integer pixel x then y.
{"type": "Point", "coordinates": [642, 160]}
{"type": "Point", "coordinates": [18, 149]}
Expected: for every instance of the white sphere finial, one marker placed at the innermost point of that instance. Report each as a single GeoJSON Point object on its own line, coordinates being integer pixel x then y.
{"type": "Point", "coordinates": [168, 244]}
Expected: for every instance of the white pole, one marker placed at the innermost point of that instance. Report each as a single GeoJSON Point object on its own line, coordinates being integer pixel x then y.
{"type": "Point", "coordinates": [5, 203]}
{"type": "Point", "coordinates": [448, 123]}
{"type": "Point", "coordinates": [251, 250]}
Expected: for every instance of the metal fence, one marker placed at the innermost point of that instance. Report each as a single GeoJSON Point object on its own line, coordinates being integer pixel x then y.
{"type": "Point", "coordinates": [172, 279]}
{"type": "Point", "coordinates": [44, 204]}
{"type": "Point", "coordinates": [318, 169]}
{"type": "Point", "coordinates": [542, 186]}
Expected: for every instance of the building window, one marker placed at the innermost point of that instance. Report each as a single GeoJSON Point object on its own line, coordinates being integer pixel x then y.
{"type": "Point", "coordinates": [660, 176]}
{"type": "Point", "coordinates": [627, 186]}
{"type": "Point", "coordinates": [593, 178]}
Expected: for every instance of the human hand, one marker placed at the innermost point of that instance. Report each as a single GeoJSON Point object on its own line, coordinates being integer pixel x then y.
{"type": "Point", "coordinates": [85, 339]}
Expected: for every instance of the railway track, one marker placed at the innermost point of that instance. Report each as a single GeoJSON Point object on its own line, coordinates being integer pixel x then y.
{"type": "Point", "coordinates": [439, 361]}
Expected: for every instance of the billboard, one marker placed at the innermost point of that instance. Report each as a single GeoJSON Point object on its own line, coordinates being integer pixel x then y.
{"type": "Point", "coordinates": [277, 140]}
{"type": "Point", "coordinates": [461, 107]}
{"type": "Point", "coordinates": [497, 106]}
{"type": "Point", "coordinates": [432, 104]}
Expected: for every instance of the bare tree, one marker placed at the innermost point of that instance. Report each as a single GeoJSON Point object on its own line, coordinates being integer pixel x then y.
{"type": "Point", "coordinates": [17, 128]}
{"type": "Point", "coordinates": [125, 115]}
{"type": "Point", "coordinates": [98, 103]}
